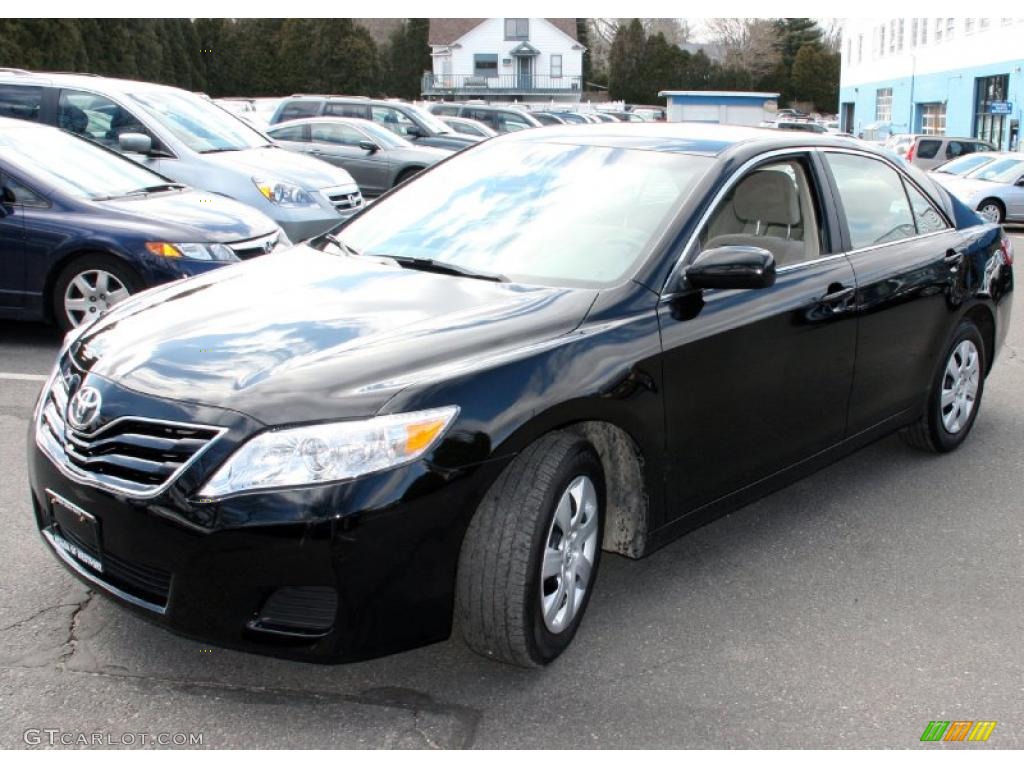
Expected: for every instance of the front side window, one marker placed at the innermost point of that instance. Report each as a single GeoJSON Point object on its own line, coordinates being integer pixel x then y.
{"type": "Point", "coordinates": [517, 29]}
{"type": "Point", "coordinates": [509, 122]}
{"type": "Point", "coordinates": [535, 212]}
{"type": "Point", "coordinates": [97, 118]}
{"type": "Point", "coordinates": [773, 207]}
{"type": "Point", "coordinates": [22, 102]}
{"type": "Point", "coordinates": [335, 133]}
{"type": "Point", "coordinates": [873, 199]}
{"type": "Point", "coordinates": [290, 133]}
{"type": "Point", "coordinates": [394, 121]}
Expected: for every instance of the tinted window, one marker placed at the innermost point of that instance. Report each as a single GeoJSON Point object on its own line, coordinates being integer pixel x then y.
{"type": "Point", "coordinates": [509, 121]}
{"type": "Point", "coordinates": [335, 133]}
{"type": "Point", "coordinates": [957, 148]}
{"type": "Point", "coordinates": [290, 133]}
{"type": "Point", "coordinates": [533, 211]}
{"type": "Point", "coordinates": [925, 215]}
{"type": "Point", "coordinates": [484, 116]}
{"type": "Point", "coordinates": [20, 101]}
{"type": "Point", "coordinates": [873, 198]}
{"type": "Point", "coordinates": [96, 118]}
{"type": "Point", "coordinates": [451, 109]}
{"type": "Point", "coordinates": [295, 109]}
{"type": "Point", "coordinates": [927, 148]}
{"type": "Point", "coordinates": [348, 110]}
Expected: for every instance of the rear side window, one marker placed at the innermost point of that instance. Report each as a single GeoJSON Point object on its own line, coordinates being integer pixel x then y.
{"type": "Point", "coordinates": [874, 200]}
{"type": "Point", "coordinates": [926, 217]}
{"type": "Point", "coordinates": [290, 133]}
{"type": "Point", "coordinates": [22, 102]}
{"type": "Point", "coordinates": [450, 110]}
{"type": "Point", "coordinates": [348, 110]}
{"type": "Point", "coordinates": [957, 148]}
{"type": "Point", "coordinates": [928, 148]}
{"type": "Point", "coordinates": [296, 109]}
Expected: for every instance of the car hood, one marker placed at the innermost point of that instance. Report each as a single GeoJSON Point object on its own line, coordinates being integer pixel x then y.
{"type": "Point", "coordinates": [965, 189]}
{"type": "Point", "coordinates": [275, 163]}
{"type": "Point", "coordinates": [201, 216]}
{"type": "Point", "coordinates": [302, 335]}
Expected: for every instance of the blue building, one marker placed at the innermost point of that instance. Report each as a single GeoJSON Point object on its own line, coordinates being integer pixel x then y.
{"type": "Point", "coordinates": [948, 76]}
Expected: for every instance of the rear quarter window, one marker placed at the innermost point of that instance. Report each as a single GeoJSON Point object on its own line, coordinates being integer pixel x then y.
{"type": "Point", "coordinates": [296, 109]}
{"type": "Point", "coordinates": [21, 102]}
{"type": "Point", "coordinates": [928, 148]}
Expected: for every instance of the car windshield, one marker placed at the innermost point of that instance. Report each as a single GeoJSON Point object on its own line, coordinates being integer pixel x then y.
{"type": "Point", "coordinates": [383, 136]}
{"type": "Point", "coordinates": [534, 212]}
{"type": "Point", "coordinates": [1004, 171]}
{"type": "Point", "coordinates": [76, 167]}
{"type": "Point", "coordinates": [964, 164]}
{"type": "Point", "coordinates": [429, 120]}
{"type": "Point", "coordinates": [200, 124]}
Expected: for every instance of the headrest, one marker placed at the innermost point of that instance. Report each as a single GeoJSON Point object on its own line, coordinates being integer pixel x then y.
{"type": "Point", "coordinates": [768, 197]}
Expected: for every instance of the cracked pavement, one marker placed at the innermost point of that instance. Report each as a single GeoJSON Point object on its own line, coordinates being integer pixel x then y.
{"type": "Point", "coordinates": [845, 611]}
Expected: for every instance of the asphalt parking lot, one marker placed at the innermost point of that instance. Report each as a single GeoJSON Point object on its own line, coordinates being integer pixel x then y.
{"type": "Point", "coordinates": [848, 610]}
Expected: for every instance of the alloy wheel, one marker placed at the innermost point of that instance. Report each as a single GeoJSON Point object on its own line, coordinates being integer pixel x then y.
{"type": "Point", "coordinates": [990, 212]}
{"type": "Point", "coordinates": [960, 386]}
{"type": "Point", "coordinates": [570, 548]}
{"type": "Point", "coordinates": [91, 293]}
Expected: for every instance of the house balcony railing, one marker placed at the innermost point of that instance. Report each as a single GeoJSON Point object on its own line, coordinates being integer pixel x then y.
{"type": "Point", "coordinates": [463, 85]}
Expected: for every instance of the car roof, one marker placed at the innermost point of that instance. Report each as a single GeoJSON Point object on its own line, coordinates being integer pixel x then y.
{"type": "Point", "coordinates": [83, 81]}
{"type": "Point", "coordinates": [690, 138]}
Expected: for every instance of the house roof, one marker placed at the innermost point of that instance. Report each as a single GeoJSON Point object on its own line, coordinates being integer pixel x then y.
{"type": "Point", "coordinates": [447, 31]}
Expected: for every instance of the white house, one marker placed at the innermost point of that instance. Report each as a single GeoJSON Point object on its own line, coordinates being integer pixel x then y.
{"type": "Point", "coordinates": [504, 60]}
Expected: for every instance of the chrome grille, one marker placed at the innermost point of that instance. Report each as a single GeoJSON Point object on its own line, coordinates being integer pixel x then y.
{"type": "Point", "coordinates": [132, 455]}
{"type": "Point", "coordinates": [257, 246]}
{"type": "Point", "coordinates": [345, 201]}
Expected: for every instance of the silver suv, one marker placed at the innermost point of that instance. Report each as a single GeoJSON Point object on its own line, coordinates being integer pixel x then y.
{"type": "Point", "coordinates": [189, 139]}
{"type": "Point", "coordinates": [929, 151]}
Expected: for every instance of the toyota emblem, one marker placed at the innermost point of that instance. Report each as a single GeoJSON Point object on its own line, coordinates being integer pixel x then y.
{"type": "Point", "coordinates": [84, 408]}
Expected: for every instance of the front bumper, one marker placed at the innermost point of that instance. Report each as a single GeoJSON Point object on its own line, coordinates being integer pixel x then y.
{"type": "Point", "coordinates": [336, 205]}
{"type": "Point", "coordinates": [383, 548]}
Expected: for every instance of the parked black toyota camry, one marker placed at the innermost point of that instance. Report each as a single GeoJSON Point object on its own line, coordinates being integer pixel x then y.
{"type": "Point", "coordinates": [561, 341]}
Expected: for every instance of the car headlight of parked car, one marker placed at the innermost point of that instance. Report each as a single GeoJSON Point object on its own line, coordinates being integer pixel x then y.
{"type": "Point", "coordinates": [284, 194]}
{"type": "Point", "coordinates": [198, 251]}
{"type": "Point", "coordinates": [322, 453]}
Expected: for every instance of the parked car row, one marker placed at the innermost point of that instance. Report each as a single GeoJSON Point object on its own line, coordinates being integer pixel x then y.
{"type": "Point", "coordinates": [992, 183]}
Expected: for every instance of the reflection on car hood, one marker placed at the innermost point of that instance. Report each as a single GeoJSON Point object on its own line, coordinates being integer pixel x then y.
{"type": "Point", "coordinates": [966, 188]}
{"type": "Point", "coordinates": [303, 335]}
{"type": "Point", "coordinates": [421, 154]}
{"type": "Point", "coordinates": [280, 164]}
{"type": "Point", "coordinates": [203, 216]}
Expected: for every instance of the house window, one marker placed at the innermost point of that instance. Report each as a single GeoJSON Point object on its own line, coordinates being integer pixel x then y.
{"type": "Point", "coordinates": [485, 65]}
{"type": "Point", "coordinates": [517, 29]}
{"type": "Point", "coordinates": [933, 119]}
{"type": "Point", "coordinates": [883, 105]}
{"type": "Point", "coordinates": [556, 65]}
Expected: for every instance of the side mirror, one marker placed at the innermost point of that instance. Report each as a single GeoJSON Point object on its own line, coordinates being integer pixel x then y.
{"type": "Point", "coordinates": [414, 131]}
{"type": "Point", "coordinates": [138, 143]}
{"type": "Point", "coordinates": [1019, 182]}
{"type": "Point", "coordinates": [732, 266]}
{"type": "Point", "coordinates": [368, 145]}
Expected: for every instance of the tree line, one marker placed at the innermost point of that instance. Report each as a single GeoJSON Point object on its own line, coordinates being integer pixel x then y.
{"type": "Point", "coordinates": [789, 56]}
{"type": "Point", "coordinates": [228, 57]}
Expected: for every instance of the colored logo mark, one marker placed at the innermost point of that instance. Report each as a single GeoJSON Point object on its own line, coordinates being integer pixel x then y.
{"type": "Point", "coordinates": [958, 730]}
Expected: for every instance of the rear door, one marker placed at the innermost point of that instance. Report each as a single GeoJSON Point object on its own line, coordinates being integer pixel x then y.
{"type": "Point", "coordinates": [908, 259]}
{"type": "Point", "coordinates": [12, 246]}
{"type": "Point", "coordinates": [338, 144]}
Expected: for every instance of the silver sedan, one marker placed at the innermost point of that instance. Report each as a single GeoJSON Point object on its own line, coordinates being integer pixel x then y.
{"type": "Point", "coordinates": [375, 157]}
{"type": "Point", "coordinates": [995, 190]}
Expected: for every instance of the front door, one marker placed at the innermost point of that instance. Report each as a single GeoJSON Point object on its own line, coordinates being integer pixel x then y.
{"type": "Point", "coordinates": [12, 247]}
{"type": "Point", "coordinates": [757, 380]}
{"type": "Point", "coordinates": [339, 145]}
{"type": "Point", "coordinates": [524, 69]}
{"type": "Point", "coordinates": [910, 265]}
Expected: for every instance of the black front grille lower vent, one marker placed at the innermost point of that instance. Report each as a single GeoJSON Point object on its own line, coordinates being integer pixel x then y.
{"type": "Point", "coordinates": [301, 611]}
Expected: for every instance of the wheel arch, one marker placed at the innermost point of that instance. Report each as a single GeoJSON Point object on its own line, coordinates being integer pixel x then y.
{"type": "Point", "coordinates": [76, 252]}
{"type": "Point", "coordinates": [982, 316]}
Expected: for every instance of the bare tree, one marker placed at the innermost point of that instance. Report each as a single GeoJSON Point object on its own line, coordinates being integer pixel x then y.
{"type": "Point", "coordinates": [749, 43]}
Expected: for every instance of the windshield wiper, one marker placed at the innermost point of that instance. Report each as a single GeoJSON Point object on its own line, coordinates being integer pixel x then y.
{"type": "Point", "coordinates": [441, 267]}
{"type": "Point", "coordinates": [142, 191]}
{"type": "Point", "coordinates": [220, 149]}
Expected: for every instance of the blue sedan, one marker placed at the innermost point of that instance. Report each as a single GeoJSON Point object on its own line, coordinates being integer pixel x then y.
{"type": "Point", "coordinates": [81, 227]}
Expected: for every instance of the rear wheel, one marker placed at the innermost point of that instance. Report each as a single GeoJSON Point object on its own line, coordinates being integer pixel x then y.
{"type": "Point", "coordinates": [530, 557]}
{"type": "Point", "coordinates": [955, 394]}
{"type": "Point", "coordinates": [992, 210]}
{"type": "Point", "coordinates": [89, 286]}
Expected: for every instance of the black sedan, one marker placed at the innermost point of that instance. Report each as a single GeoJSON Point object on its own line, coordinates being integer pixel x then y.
{"type": "Point", "coordinates": [82, 228]}
{"type": "Point", "coordinates": [558, 342]}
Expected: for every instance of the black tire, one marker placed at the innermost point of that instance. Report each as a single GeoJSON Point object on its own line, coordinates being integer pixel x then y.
{"type": "Point", "coordinates": [929, 433]}
{"type": "Point", "coordinates": [498, 595]}
{"type": "Point", "coordinates": [90, 261]}
{"type": "Point", "coordinates": [407, 174]}
{"type": "Point", "coordinates": [999, 206]}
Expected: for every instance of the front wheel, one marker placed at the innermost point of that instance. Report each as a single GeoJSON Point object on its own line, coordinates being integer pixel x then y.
{"type": "Point", "coordinates": [88, 287]}
{"type": "Point", "coordinates": [530, 556]}
{"type": "Point", "coordinates": [955, 394]}
{"type": "Point", "coordinates": [992, 210]}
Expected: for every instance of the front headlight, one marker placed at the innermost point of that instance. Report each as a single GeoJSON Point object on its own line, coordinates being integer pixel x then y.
{"type": "Point", "coordinates": [323, 453]}
{"type": "Point", "coordinates": [284, 194]}
{"type": "Point", "coordinates": [198, 251]}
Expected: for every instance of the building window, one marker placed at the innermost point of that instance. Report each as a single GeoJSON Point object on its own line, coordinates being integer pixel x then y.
{"type": "Point", "coordinates": [968, 26]}
{"type": "Point", "coordinates": [938, 30]}
{"type": "Point", "coordinates": [881, 40]}
{"type": "Point", "coordinates": [983, 23]}
{"type": "Point", "coordinates": [860, 48]}
{"type": "Point", "coordinates": [913, 33]}
{"type": "Point", "coordinates": [517, 29]}
{"type": "Point", "coordinates": [556, 65]}
{"type": "Point", "coordinates": [950, 28]}
{"type": "Point", "coordinates": [883, 105]}
{"type": "Point", "coordinates": [924, 31]}
{"type": "Point", "coordinates": [892, 36]}
{"type": "Point", "coordinates": [485, 65]}
{"type": "Point", "coordinates": [933, 119]}
{"type": "Point", "coordinates": [899, 36]}
{"type": "Point", "coordinates": [988, 126]}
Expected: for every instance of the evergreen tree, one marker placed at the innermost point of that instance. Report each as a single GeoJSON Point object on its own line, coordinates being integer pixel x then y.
{"type": "Point", "coordinates": [583, 38]}
{"type": "Point", "coordinates": [625, 63]}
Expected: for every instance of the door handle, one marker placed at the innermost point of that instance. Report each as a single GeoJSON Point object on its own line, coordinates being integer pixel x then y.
{"type": "Point", "coordinates": [954, 258]}
{"type": "Point", "coordinates": [838, 298]}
